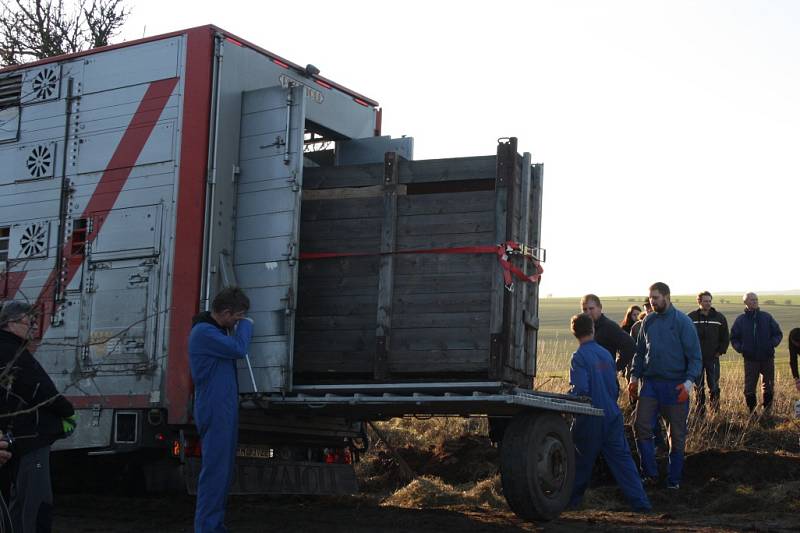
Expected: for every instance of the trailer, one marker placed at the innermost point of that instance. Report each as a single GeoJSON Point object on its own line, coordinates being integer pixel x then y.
{"type": "Point", "coordinates": [136, 180]}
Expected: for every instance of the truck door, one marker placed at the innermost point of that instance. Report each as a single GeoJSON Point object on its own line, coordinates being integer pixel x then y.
{"type": "Point", "coordinates": [267, 228]}
{"type": "Point", "coordinates": [120, 294]}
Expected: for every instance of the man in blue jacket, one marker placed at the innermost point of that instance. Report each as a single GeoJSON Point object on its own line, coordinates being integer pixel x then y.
{"type": "Point", "coordinates": [593, 373]}
{"type": "Point", "coordinates": [666, 364]}
{"type": "Point", "coordinates": [218, 339]}
{"type": "Point", "coordinates": [755, 334]}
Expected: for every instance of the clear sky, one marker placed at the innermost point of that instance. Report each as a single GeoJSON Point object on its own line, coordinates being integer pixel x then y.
{"type": "Point", "coordinates": [669, 130]}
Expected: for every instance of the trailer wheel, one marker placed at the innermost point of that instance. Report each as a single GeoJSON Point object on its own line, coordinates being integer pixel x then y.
{"type": "Point", "coordinates": [537, 465]}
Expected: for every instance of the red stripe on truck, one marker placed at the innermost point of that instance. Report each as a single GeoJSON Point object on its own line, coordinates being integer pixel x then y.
{"type": "Point", "coordinates": [111, 183]}
{"type": "Point", "coordinates": [185, 298]}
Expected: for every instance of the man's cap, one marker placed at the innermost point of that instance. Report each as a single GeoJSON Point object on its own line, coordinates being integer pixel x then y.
{"type": "Point", "coordinates": [13, 310]}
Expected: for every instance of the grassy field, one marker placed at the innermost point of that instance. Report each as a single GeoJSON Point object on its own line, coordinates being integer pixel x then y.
{"type": "Point", "coordinates": [556, 343]}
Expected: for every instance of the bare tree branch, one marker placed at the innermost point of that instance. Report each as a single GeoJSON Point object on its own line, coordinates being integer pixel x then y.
{"type": "Point", "coordinates": [36, 29]}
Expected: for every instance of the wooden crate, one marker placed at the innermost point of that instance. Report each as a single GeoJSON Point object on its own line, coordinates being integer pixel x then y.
{"type": "Point", "coordinates": [375, 312]}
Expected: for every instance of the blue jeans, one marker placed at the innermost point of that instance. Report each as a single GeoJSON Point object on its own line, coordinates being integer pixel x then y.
{"type": "Point", "coordinates": [660, 397]}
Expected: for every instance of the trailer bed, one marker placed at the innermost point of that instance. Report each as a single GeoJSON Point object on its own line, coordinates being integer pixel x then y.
{"type": "Point", "coordinates": [376, 401]}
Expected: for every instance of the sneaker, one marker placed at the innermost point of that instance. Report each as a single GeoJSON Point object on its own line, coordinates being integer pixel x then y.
{"type": "Point", "coordinates": [673, 486]}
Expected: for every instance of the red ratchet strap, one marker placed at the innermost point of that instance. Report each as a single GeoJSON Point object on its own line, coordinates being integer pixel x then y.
{"type": "Point", "coordinates": [504, 253]}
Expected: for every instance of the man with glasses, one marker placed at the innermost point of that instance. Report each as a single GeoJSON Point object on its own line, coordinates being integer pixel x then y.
{"type": "Point", "coordinates": [36, 413]}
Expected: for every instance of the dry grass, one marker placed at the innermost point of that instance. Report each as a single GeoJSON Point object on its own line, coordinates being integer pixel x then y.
{"type": "Point", "coordinates": [731, 428]}
{"type": "Point", "coordinates": [430, 491]}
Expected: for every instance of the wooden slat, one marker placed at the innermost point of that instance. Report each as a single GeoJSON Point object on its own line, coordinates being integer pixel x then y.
{"type": "Point", "coordinates": [433, 170]}
{"type": "Point", "coordinates": [431, 204]}
{"type": "Point", "coordinates": [444, 263]}
{"type": "Point", "coordinates": [333, 362]}
{"type": "Point", "coordinates": [447, 223]}
{"type": "Point", "coordinates": [474, 319]}
{"type": "Point", "coordinates": [334, 323]}
{"type": "Point", "coordinates": [447, 240]}
{"type": "Point", "coordinates": [445, 362]}
{"type": "Point", "coordinates": [443, 283]}
{"type": "Point", "coordinates": [358, 208]}
{"type": "Point", "coordinates": [346, 193]}
{"type": "Point", "coordinates": [351, 305]}
{"type": "Point", "coordinates": [341, 341]}
{"type": "Point", "coordinates": [345, 176]}
{"type": "Point", "coordinates": [522, 290]}
{"type": "Point", "coordinates": [383, 331]}
{"type": "Point", "coordinates": [499, 310]}
{"type": "Point", "coordinates": [440, 339]}
{"type": "Point", "coordinates": [444, 303]}
{"type": "Point", "coordinates": [341, 266]}
{"type": "Point", "coordinates": [351, 229]}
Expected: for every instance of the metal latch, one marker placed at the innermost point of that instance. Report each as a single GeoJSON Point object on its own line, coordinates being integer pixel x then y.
{"type": "Point", "coordinates": [138, 278]}
{"type": "Point", "coordinates": [96, 415]}
{"type": "Point", "coordinates": [290, 255]}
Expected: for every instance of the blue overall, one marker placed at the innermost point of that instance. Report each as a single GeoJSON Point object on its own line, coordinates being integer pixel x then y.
{"type": "Point", "coordinates": [212, 357]}
{"type": "Point", "coordinates": [593, 373]}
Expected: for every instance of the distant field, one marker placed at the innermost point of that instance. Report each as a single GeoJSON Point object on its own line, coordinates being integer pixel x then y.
{"type": "Point", "coordinates": [556, 343]}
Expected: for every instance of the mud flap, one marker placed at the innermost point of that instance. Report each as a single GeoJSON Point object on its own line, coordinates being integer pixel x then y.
{"type": "Point", "coordinates": [259, 476]}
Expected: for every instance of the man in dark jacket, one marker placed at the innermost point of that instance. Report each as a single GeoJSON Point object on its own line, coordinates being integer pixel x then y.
{"type": "Point", "coordinates": [712, 330]}
{"type": "Point", "coordinates": [608, 333]}
{"type": "Point", "coordinates": [794, 349]}
{"type": "Point", "coordinates": [217, 340]}
{"type": "Point", "coordinates": [755, 334]}
{"type": "Point", "coordinates": [35, 413]}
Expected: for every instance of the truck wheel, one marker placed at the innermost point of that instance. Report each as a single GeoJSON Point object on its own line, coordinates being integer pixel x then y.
{"type": "Point", "coordinates": [537, 465]}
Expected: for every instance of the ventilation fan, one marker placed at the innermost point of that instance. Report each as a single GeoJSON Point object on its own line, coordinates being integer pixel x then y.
{"type": "Point", "coordinates": [40, 162]}
{"type": "Point", "coordinates": [44, 84]}
{"type": "Point", "coordinates": [33, 241]}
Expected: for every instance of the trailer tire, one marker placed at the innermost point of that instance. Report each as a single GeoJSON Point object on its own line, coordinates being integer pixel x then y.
{"type": "Point", "coordinates": [537, 465]}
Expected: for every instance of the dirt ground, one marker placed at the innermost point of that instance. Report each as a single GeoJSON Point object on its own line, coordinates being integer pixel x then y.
{"type": "Point", "coordinates": [723, 491]}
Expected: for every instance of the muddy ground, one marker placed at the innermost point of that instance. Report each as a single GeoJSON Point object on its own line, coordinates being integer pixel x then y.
{"type": "Point", "coordinates": [458, 491]}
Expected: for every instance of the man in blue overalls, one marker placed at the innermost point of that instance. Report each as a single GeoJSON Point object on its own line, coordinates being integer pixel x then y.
{"type": "Point", "coordinates": [593, 373]}
{"type": "Point", "coordinates": [217, 340]}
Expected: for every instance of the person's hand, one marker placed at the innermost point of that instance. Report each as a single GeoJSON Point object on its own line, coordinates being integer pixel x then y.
{"type": "Point", "coordinates": [633, 389]}
{"type": "Point", "coordinates": [684, 391]}
{"type": "Point", "coordinates": [248, 319]}
{"type": "Point", "coordinates": [5, 455]}
{"type": "Point", "coordinates": [797, 384]}
{"type": "Point", "coordinates": [68, 424]}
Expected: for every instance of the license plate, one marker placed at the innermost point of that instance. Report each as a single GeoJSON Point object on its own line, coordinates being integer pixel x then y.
{"type": "Point", "coordinates": [255, 452]}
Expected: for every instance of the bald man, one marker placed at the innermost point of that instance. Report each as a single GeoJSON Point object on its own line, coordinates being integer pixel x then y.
{"type": "Point", "coordinates": [755, 334]}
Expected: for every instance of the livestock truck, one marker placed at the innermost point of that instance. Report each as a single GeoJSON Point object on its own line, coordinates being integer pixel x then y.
{"type": "Point", "coordinates": [136, 180]}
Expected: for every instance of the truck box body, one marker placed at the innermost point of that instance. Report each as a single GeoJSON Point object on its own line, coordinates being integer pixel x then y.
{"type": "Point", "coordinates": [137, 180]}
{"type": "Point", "coordinates": [430, 303]}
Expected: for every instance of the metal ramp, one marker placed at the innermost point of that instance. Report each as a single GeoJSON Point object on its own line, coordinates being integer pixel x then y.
{"type": "Point", "coordinates": [373, 401]}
